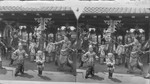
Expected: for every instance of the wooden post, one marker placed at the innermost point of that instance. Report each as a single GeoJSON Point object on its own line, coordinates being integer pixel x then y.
{"type": "Point", "coordinates": [148, 60]}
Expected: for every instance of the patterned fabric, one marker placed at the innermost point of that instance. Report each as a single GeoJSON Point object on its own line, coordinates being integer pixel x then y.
{"type": "Point", "coordinates": [64, 51]}
{"type": "Point", "coordinates": [41, 41]}
{"type": "Point", "coordinates": [110, 61]}
{"type": "Point", "coordinates": [120, 50]}
{"type": "Point", "coordinates": [40, 59]}
{"type": "Point", "coordinates": [90, 58]}
{"type": "Point", "coordinates": [32, 48]}
{"type": "Point", "coordinates": [50, 48]}
{"type": "Point", "coordinates": [134, 56]}
{"type": "Point", "coordinates": [110, 47]}
{"type": "Point", "coordinates": [102, 50]}
{"type": "Point", "coordinates": [19, 56]}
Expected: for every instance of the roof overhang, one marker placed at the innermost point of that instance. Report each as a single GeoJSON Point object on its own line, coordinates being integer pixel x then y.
{"type": "Point", "coordinates": [32, 6]}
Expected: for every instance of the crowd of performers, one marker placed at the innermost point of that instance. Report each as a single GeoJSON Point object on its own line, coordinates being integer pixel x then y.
{"type": "Point", "coordinates": [130, 54]}
{"type": "Point", "coordinates": [62, 49]}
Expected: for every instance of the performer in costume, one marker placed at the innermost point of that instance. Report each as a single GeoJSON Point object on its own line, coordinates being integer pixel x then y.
{"type": "Point", "coordinates": [14, 45]}
{"type": "Point", "coordinates": [40, 59]}
{"type": "Point", "coordinates": [58, 49]}
{"type": "Point", "coordinates": [102, 51]}
{"type": "Point", "coordinates": [119, 51]}
{"type": "Point", "coordinates": [64, 53]}
{"type": "Point", "coordinates": [134, 57]}
{"type": "Point", "coordinates": [90, 55]}
{"type": "Point", "coordinates": [128, 52]}
{"type": "Point", "coordinates": [51, 50]}
{"type": "Point", "coordinates": [32, 50]}
{"type": "Point", "coordinates": [85, 45]}
{"type": "Point", "coordinates": [110, 62]}
{"type": "Point", "coordinates": [19, 56]}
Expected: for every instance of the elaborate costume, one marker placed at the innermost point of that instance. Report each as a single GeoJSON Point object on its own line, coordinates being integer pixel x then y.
{"type": "Point", "coordinates": [134, 56]}
{"type": "Point", "coordinates": [102, 53]}
{"type": "Point", "coordinates": [40, 59]}
{"type": "Point", "coordinates": [127, 56]}
{"type": "Point", "coordinates": [19, 56]}
{"type": "Point", "coordinates": [110, 62]}
{"type": "Point", "coordinates": [120, 51]}
{"type": "Point", "coordinates": [32, 49]}
{"type": "Point", "coordinates": [64, 52]}
{"type": "Point", "coordinates": [90, 55]}
{"type": "Point", "coordinates": [51, 51]}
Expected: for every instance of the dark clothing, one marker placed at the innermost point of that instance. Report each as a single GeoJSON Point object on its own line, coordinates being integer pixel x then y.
{"type": "Point", "coordinates": [85, 45]}
{"type": "Point", "coordinates": [19, 69]}
{"type": "Point", "coordinates": [15, 43]}
{"type": "Point", "coordinates": [90, 71]}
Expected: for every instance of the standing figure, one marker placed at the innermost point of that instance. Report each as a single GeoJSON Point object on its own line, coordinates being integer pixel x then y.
{"type": "Point", "coordinates": [15, 41]}
{"type": "Point", "coordinates": [102, 52]}
{"type": "Point", "coordinates": [90, 56]}
{"type": "Point", "coordinates": [85, 45]}
{"type": "Point", "coordinates": [134, 57]}
{"type": "Point", "coordinates": [64, 52]}
{"type": "Point", "coordinates": [32, 50]}
{"type": "Point", "coordinates": [51, 50]}
{"type": "Point", "coordinates": [14, 46]}
{"type": "Point", "coordinates": [110, 62]}
{"type": "Point", "coordinates": [40, 59]}
{"type": "Point", "coordinates": [58, 48]}
{"type": "Point", "coordinates": [41, 41]}
{"type": "Point", "coordinates": [128, 53]}
{"type": "Point", "coordinates": [19, 56]}
{"type": "Point", "coordinates": [119, 51]}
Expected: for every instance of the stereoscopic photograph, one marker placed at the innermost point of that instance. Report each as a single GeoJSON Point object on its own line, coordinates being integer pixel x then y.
{"type": "Point", "coordinates": [74, 41]}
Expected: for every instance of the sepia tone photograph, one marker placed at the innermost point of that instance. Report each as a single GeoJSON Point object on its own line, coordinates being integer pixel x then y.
{"type": "Point", "coordinates": [74, 41]}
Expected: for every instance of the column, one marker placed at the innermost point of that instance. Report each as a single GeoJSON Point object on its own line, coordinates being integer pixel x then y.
{"type": "Point", "coordinates": [148, 60]}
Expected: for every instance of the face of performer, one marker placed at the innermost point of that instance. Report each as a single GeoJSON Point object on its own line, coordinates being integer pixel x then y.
{"type": "Point", "coordinates": [143, 39]}
{"type": "Point", "coordinates": [110, 56]}
{"type": "Point", "coordinates": [85, 38]}
{"type": "Point", "coordinates": [20, 47]}
{"type": "Point", "coordinates": [129, 40]}
{"type": "Point", "coordinates": [90, 49]}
